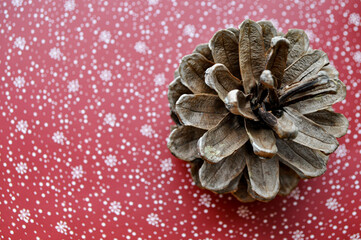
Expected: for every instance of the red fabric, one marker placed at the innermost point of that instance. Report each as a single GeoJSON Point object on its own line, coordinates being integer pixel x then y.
{"type": "Point", "coordinates": [84, 122]}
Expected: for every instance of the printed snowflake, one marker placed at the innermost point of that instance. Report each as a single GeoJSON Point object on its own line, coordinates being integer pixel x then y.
{"type": "Point", "coordinates": [73, 86]}
{"type": "Point", "coordinates": [19, 82]}
{"type": "Point", "coordinates": [24, 215]}
{"type": "Point", "coordinates": [166, 165]}
{"type": "Point", "coordinates": [205, 199]}
{"type": "Point", "coordinates": [110, 119]}
{"type": "Point", "coordinates": [332, 204]}
{"type": "Point", "coordinates": [310, 35]}
{"type": "Point", "coordinates": [153, 2]}
{"type": "Point", "coordinates": [105, 36]}
{"type": "Point", "coordinates": [21, 168]}
{"type": "Point", "coordinates": [147, 130]}
{"type": "Point", "coordinates": [159, 79]}
{"type": "Point", "coordinates": [153, 219]}
{"type": "Point", "coordinates": [140, 47]}
{"type": "Point", "coordinates": [106, 75]}
{"type": "Point", "coordinates": [22, 126]}
{"type": "Point", "coordinates": [17, 3]}
{"type": "Point", "coordinates": [115, 207]}
{"type": "Point", "coordinates": [298, 235]}
{"type": "Point", "coordinates": [77, 172]}
{"type": "Point", "coordinates": [296, 194]}
{"type": "Point", "coordinates": [355, 19]}
{"type": "Point", "coordinates": [110, 160]}
{"type": "Point", "coordinates": [69, 5]}
{"type": "Point", "coordinates": [58, 137]}
{"type": "Point", "coordinates": [355, 236]}
{"type": "Point", "coordinates": [357, 57]}
{"type": "Point", "coordinates": [62, 227]}
{"type": "Point", "coordinates": [243, 212]}
{"type": "Point", "coordinates": [341, 151]}
{"type": "Point", "coordinates": [189, 30]}
{"type": "Point", "coordinates": [20, 43]}
{"type": "Point", "coordinates": [55, 53]}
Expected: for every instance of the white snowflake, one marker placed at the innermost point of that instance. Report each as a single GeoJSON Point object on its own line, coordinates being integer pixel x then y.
{"type": "Point", "coordinates": [17, 3]}
{"type": "Point", "coordinates": [106, 75]}
{"type": "Point", "coordinates": [115, 207]}
{"type": "Point", "coordinates": [24, 215]}
{"type": "Point", "coordinates": [355, 236]}
{"type": "Point", "coordinates": [166, 165]}
{"type": "Point", "coordinates": [355, 19]}
{"type": "Point", "coordinates": [311, 35]}
{"type": "Point", "coordinates": [153, 2]}
{"type": "Point", "coordinates": [58, 137]}
{"type": "Point", "coordinates": [21, 167]}
{"type": "Point", "coordinates": [189, 30]}
{"type": "Point", "coordinates": [357, 57]}
{"type": "Point", "coordinates": [20, 43]}
{"type": "Point", "coordinates": [77, 172]}
{"type": "Point", "coordinates": [296, 194]}
{"type": "Point", "coordinates": [243, 212]}
{"type": "Point", "coordinates": [341, 151]}
{"type": "Point", "coordinates": [110, 119]}
{"type": "Point", "coordinates": [22, 126]}
{"type": "Point", "coordinates": [298, 235]}
{"type": "Point", "coordinates": [55, 53]}
{"type": "Point", "coordinates": [19, 82]}
{"type": "Point", "coordinates": [159, 79]}
{"type": "Point", "coordinates": [153, 219]}
{"type": "Point", "coordinates": [140, 47]}
{"type": "Point", "coordinates": [205, 199]}
{"type": "Point", "coordinates": [105, 36]}
{"type": "Point", "coordinates": [332, 204]}
{"type": "Point", "coordinates": [62, 227]}
{"type": "Point", "coordinates": [147, 130]}
{"type": "Point", "coordinates": [69, 5]}
{"type": "Point", "coordinates": [73, 86]}
{"type": "Point", "coordinates": [111, 160]}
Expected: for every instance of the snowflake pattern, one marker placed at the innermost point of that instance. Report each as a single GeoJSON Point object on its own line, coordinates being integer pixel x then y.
{"type": "Point", "coordinates": [19, 82]}
{"type": "Point", "coordinates": [159, 79]}
{"type": "Point", "coordinates": [77, 172]}
{"type": "Point", "coordinates": [147, 130]}
{"type": "Point", "coordinates": [205, 200]}
{"type": "Point", "coordinates": [24, 215]}
{"type": "Point", "coordinates": [298, 235]}
{"type": "Point", "coordinates": [341, 151]}
{"type": "Point", "coordinates": [73, 86]}
{"type": "Point", "coordinates": [115, 207]}
{"type": "Point", "coordinates": [21, 168]}
{"type": "Point", "coordinates": [189, 30]}
{"type": "Point", "coordinates": [153, 219]}
{"type": "Point", "coordinates": [17, 3]}
{"type": "Point", "coordinates": [243, 212]}
{"type": "Point", "coordinates": [105, 36]}
{"type": "Point", "coordinates": [69, 5]}
{"type": "Point", "coordinates": [55, 53]}
{"type": "Point", "coordinates": [354, 19]}
{"type": "Point", "coordinates": [62, 227]}
{"type": "Point", "coordinates": [355, 236]}
{"type": "Point", "coordinates": [58, 137]}
{"type": "Point", "coordinates": [357, 57]}
{"type": "Point", "coordinates": [19, 43]}
{"type": "Point", "coordinates": [105, 75]}
{"type": "Point", "coordinates": [110, 119]}
{"type": "Point", "coordinates": [166, 165]}
{"type": "Point", "coordinates": [22, 126]}
{"type": "Point", "coordinates": [111, 160]}
{"type": "Point", "coordinates": [332, 204]}
{"type": "Point", "coordinates": [140, 47]}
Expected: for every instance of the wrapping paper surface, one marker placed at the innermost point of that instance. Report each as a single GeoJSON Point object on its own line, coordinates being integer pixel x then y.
{"type": "Point", "coordinates": [84, 120]}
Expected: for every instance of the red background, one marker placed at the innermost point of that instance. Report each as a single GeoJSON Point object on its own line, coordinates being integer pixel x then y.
{"type": "Point", "coordinates": [122, 55]}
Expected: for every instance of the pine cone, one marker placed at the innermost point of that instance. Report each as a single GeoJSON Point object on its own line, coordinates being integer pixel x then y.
{"type": "Point", "coordinates": [254, 113]}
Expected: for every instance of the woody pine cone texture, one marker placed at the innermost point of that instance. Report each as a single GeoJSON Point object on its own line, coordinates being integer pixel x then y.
{"type": "Point", "coordinates": [253, 109]}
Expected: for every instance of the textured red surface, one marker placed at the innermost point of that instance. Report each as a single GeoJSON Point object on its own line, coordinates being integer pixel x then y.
{"type": "Point", "coordinates": [84, 121]}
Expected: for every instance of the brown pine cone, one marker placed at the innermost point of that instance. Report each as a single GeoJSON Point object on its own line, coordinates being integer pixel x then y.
{"type": "Point", "coordinates": [254, 113]}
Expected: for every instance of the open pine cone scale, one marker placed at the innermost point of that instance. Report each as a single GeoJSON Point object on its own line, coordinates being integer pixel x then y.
{"type": "Point", "coordinates": [254, 113]}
